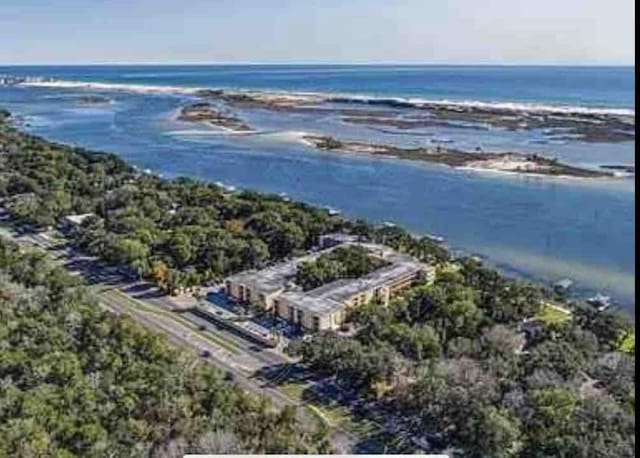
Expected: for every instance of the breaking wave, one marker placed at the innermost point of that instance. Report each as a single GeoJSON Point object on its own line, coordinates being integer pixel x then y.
{"type": "Point", "coordinates": [395, 102]}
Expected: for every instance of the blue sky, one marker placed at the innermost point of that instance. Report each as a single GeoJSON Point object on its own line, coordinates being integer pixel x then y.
{"type": "Point", "coordinates": [310, 31]}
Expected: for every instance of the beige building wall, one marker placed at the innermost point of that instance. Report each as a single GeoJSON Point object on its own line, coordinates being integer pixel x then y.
{"type": "Point", "coordinates": [308, 320]}
{"type": "Point", "coordinates": [267, 299]}
{"type": "Point", "coordinates": [234, 290]}
{"type": "Point", "coordinates": [430, 274]}
{"type": "Point", "coordinates": [291, 312]}
{"type": "Point", "coordinates": [255, 297]}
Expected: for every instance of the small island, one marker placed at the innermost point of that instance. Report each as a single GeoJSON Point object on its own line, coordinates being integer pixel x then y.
{"type": "Point", "coordinates": [513, 162]}
{"type": "Point", "coordinates": [555, 123]}
{"type": "Point", "coordinates": [349, 261]}
{"type": "Point", "coordinates": [93, 100]}
{"type": "Point", "coordinates": [631, 169]}
{"type": "Point", "coordinates": [205, 112]}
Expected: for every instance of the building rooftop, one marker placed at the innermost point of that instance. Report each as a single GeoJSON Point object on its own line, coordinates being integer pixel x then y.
{"type": "Point", "coordinates": [273, 278]}
{"type": "Point", "coordinates": [270, 279]}
{"type": "Point", "coordinates": [375, 279]}
{"type": "Point", "coordinates": [315, 304]}
{"type": "Point", "coordinates": [331, 296]}
{"type": "Point", "coordinates": [337, 238]}
{"type": "Point", "coordinates": [77, 219]}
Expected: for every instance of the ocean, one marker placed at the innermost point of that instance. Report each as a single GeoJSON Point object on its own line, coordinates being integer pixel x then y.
{"type": "Point", "coordinates": [543, 228]}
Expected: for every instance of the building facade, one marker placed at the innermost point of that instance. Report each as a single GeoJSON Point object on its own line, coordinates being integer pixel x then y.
{"type": "Point", "coordinates": [328, 306]}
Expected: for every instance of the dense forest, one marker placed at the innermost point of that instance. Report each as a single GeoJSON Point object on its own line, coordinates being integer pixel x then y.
{"type": "Point", "coordinates": [343, 262]}
{"type": "Point", "coordinates": [472, 362]}
{"type": "Point", "coordinates": [179, 233]}
{"type": "Point", "coordinates": [466, 365]}
{"type": "Point", "coordinates": [76, 381]}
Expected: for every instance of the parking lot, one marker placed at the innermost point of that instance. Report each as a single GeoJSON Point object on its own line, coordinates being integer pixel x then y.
{"type": "Point", "coordinates": [263, 321]}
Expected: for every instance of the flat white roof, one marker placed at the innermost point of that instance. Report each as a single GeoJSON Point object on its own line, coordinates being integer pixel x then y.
{"type": "Point", "coordinates": [77, 219]}
{"type": "Point", "coordinates": [276, 277]}
{"type": "Point", "coordinates": [330, 297]}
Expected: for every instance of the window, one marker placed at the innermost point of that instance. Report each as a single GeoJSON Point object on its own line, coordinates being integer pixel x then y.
{"type": "Point", "coordinates": [316, 323]}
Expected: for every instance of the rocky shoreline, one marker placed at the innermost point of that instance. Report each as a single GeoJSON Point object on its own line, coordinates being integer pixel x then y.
{"type": "Point", "coordinates": [93, 100]}
{"type": "Point", "coordinates": [587, 127]}
{"type": "Point", "coordinates": [205, 112]}
{"type": "Point", "coordinates": [584, 126]}
{"type": "Point", "coordinates": [513, 162]}
{"type": "Point", "coordinates": [620, 168]}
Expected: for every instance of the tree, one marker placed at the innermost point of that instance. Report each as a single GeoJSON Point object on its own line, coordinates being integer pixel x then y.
{"type": "Point", "coordinates": [78, 381]}
{"type": "Point", "coordinates": [234, 226]}
{"type": "Point", "coordinates": [181, 248]}
{"type": "Point", "coordinates": [130, 251]}
{"type": "Point", "coordinates": [607, 326]}
{"type": "Point", "coordinates": [159, 272]}
{"type": "Point", "coordinates": [492, 432]}
{"type": "Point", "coordinates": [453, 403]}
{"type": "Point", "coordinates": [556, 356]}
{"type": "Point", "coordinates": [288, 238]}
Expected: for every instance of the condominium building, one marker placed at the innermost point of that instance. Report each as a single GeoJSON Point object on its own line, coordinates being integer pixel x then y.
{"type": "Point", "coordinates": [327, 306]}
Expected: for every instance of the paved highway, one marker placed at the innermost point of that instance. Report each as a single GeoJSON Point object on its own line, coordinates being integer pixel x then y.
{"type": "Point", "coordinates": [235, 355]}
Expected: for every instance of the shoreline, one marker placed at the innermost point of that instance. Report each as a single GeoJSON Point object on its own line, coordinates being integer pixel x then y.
{"type": "Point", "coordinates": [556, 122]}
{"type": "Point", "coordinates": [509, 162]}
{"type": "Point", "coordinates": [507, 106]}
{"type": "Point", "coordinates": [508, 269]}
{"type": "Point", "coordinates": [561, 123]}
{"type": "Point", "coordinates": [205, 112]}
{"type": "Point", "coordinates": [514, 163]}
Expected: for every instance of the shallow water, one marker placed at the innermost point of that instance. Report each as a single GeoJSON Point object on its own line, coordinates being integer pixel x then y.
{"type": "Point", "coordinates": [547, 228]}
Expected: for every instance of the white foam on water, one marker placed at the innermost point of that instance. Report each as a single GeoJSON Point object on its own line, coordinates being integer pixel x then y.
{"type": "Point", "coordinates": [139, 88]}
{"type": "Point", "coordinates": [294, 96]}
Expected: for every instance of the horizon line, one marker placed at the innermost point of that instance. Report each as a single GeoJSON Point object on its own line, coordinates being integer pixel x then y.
{"type": "Point", "coordinates": [311, 63]}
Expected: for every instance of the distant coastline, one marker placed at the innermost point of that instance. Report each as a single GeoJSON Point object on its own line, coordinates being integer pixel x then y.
{"type": "Point", "coordinates": [311, 96]}
{"type": "Point", "coordinates": [580, 229]}
{"type": "Point", "coordinates": [512, 162]}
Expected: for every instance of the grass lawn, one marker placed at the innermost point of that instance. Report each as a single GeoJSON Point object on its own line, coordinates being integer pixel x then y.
{"type": "Point", "coordinates": [628, 343]}
{"type": "Point", "coordinates": [334, 416]}
{"type": "Point", "coordinates": [212, 338]}
{"type": "Point", "coordinates": [450, 267]}
{"type": "Point", "coordinates": [293, 390]}
{"type": "Point", "coordinates": [551, 315]}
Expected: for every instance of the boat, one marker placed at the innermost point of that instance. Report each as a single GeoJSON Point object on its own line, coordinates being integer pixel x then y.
{"type": "Point", "coordinates": [332, 211]}
{"type": "Point", "coordinates": [600, 301]}
{"type": "Point", "coordinates": [388, 224]}
{"type": "Point", "coordinates": [441, 140]}
{"type": "Point", "coordinates": [435, 238]}
{"type": "Point", "coordinates": [563, 284]}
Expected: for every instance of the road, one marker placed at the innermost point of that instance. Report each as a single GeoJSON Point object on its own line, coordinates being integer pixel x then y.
{"type": "Point", "coordinates": [181, 335]}
{"type": "Point", "coordinates": [233, 354]}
